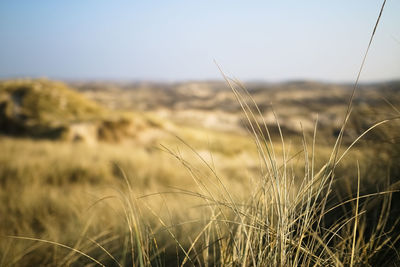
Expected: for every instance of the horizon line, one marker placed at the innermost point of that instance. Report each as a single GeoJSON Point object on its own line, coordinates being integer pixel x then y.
{"type": "Point", "coordinates": [190, 80]}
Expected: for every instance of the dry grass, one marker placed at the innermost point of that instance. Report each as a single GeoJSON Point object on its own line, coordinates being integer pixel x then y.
{"type": "Point", "coordinates": [283, 205]}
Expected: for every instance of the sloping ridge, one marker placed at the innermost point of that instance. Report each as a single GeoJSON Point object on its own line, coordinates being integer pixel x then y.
{"type": "Point", "coordinates": [48, 109]}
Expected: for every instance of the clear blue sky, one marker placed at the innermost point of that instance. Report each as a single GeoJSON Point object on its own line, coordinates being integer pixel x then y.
{"type": "Point", "coordinates": [178, 40]}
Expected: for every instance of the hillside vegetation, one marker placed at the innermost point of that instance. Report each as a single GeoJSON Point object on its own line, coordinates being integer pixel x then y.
{"type": "Point", "coordinates": [49, 109]}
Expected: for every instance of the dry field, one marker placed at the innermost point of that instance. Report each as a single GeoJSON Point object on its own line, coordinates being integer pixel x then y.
{"type": "Point", "coordinates": [147, 174]}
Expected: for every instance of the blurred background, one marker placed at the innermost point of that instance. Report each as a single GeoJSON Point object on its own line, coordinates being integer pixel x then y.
{"type": "Point", "coordinates": [90, 90]}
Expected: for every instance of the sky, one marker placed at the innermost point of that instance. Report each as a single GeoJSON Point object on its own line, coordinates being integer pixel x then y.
{"type": "Point", "coordinates": [174, 40]}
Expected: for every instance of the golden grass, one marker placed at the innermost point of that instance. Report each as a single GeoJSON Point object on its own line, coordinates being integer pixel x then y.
{"type": "Point", "coordinates": [240, 207]}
